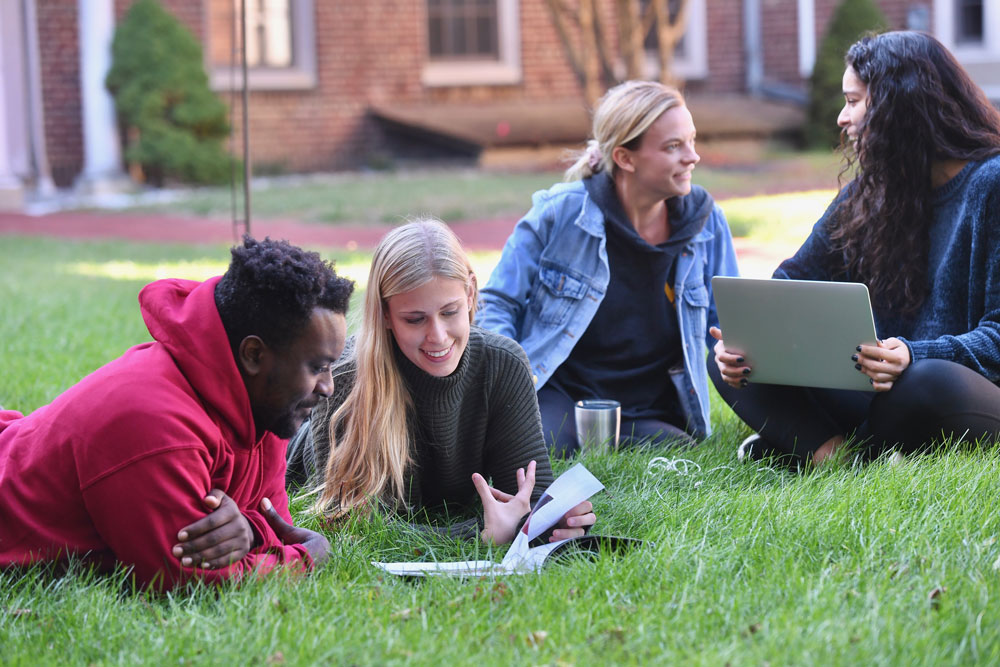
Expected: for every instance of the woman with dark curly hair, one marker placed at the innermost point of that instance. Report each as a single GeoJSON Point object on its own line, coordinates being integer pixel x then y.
{"type": "Point", "coordinates": [920, 226]}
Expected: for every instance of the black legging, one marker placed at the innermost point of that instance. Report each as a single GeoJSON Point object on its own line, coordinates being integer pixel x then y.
{"type": "Point", "coordinates": [559, 427]}
{"type": "Point", "coordinates": [932, 399]}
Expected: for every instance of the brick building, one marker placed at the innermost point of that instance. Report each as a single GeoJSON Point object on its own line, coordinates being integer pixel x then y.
{"type": "Point", "coordinates": [333, 82]}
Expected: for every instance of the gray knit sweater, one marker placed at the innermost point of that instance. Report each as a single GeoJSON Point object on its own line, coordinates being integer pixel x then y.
{"type": "Point", "coordinates": [482, 418]}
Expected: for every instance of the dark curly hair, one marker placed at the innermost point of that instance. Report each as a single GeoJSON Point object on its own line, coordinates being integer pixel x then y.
{"type": "Point", "coordinates": [271, 288]}
{"type": "Point", "coordinates": [922, 108]}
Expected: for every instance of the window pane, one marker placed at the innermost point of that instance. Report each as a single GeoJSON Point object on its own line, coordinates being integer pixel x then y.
{"type": "Point", "coordinates": [269, 32]}
{"type": "Point", "coordinates": [435, 36]}
{"type": "Point", "coordinates": [969, 24]}
{"type": "Point", "coordinates": [458, 29]}
{"type": "Point", "coordinates": [278, 27]}
{"type": "Point", "coordinates": [485, 36]}
{"type": "Point", "coordinates": [458, 45]}
{"type": "Point", "coordinates": [651, 42]}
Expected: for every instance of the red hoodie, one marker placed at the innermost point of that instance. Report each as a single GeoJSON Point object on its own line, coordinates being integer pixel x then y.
{"type": "Point", "coordinates": [119, 463]}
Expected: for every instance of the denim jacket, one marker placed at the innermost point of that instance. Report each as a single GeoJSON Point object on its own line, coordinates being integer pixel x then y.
{"type": "Point", "coordinates": [553, 274]}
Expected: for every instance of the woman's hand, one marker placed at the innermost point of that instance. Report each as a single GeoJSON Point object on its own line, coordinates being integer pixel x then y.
{"type": "Point", "coordinates": [502, 512]}
{"type": "Point", "coordinates": [574, 522]}
{"type": "Point", "coordinates": [882, 363]}
{"type": "Point", "coordinates": [732, 366]}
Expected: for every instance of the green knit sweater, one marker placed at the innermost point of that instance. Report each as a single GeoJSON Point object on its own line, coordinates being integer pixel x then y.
{"type": "Point", "coordinates": [482, 418]}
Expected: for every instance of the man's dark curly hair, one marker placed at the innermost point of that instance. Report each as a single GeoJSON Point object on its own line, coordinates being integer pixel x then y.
{"type": "Point", "coordinates": [271, 288]}
{"type": "Point", "coordinates": [922, 108]}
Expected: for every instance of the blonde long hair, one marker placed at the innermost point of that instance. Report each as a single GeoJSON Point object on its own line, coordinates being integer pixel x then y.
{"type": "Point", "coordinates": [373, 454]}
{"type": "Point", "coordinates": [623, 115]}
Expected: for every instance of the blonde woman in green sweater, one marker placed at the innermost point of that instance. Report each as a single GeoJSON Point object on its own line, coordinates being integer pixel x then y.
{"type": "Point", "coordinates": [428, 407]}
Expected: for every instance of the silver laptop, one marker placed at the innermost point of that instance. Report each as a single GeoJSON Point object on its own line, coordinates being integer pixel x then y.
{"type": "Point", "coordinates": [796, 332]}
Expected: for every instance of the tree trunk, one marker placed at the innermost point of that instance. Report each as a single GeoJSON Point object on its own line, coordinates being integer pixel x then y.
{"type": "Point", "coordinates": [591, 59]}
{"type": "Point", "coordinates": [669, 33]}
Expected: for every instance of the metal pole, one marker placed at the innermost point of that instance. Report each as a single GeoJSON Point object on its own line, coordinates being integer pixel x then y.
{"type": "Point", "coordinates": [246, 119]}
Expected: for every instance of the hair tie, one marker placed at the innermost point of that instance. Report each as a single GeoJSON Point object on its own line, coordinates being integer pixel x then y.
{"type": "Point", "coordinates": [594, 155]}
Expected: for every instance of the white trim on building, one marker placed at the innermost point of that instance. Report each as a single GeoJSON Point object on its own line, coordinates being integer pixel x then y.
{"type": "Point", "coordinates": [981, 60]}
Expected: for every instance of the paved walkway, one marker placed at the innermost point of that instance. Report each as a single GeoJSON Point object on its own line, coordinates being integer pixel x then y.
{"type": "Point", "coordinates": [756, 259]}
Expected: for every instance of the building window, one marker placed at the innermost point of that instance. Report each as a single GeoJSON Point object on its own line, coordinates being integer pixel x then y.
{"type": "Point", "coordinates": [691, 52]}
{"type": "Point", "coordinates": [269, 32]}
{"type": "Point", "coordinates": [458, 29]}
{"type": "Point", "coordinates": [969, 22]}
{"type": "Point", "coordinates": [280, 48]}
{"type": "Point", "coordinates": [472, 42]}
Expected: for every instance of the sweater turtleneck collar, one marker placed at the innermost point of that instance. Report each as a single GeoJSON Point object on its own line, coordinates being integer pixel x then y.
{"type": "Point", "coordinates": [422, 384]}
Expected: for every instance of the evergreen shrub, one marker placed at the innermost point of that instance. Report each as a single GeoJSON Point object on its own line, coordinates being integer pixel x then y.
{"type": "Point", "coordinates": [851, 19]}
{"type": "Point", "coordinates": [173, 124]}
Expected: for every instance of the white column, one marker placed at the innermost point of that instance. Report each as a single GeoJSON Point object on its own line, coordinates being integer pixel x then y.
{"type": "Point", "coordinates": [101, 149]}
{"type": "Point", "coordinates": [807, 37]}
{"type": "Point", "coordinates": [11, 189]}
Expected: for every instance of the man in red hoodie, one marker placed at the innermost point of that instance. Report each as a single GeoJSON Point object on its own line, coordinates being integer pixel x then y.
{"type": "Point", "coordinates": [121, 467]}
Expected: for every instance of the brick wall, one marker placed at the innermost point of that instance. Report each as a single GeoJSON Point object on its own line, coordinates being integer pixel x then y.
{"type": "Point", "coordinates": [780, 40]}
{"type": "Point", "coordinates": [190, 12]}
{"type": "Point", "coordinates": [59, 52]}
{"type": "Point", "coordinates": [726, 67]}
{"type": "Point", "coordinates": [372, 52]}
{"type": "Point", "coordinates": [780, 33]}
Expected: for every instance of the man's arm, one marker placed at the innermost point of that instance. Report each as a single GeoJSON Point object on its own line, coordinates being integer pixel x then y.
{"type": "Point", "coordinates": [220, 538]}
{"type": "Point", "coordinates": [139, 508]}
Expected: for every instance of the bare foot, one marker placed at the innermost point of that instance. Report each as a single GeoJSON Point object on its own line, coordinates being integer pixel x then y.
{"type": "Point", "coordinates": [827, 449]}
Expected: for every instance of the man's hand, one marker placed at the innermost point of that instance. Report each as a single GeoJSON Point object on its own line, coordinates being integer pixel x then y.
{"type": "Point", "coordinates": [317, 545]}
{"type": "Point", "coordinates": [502, 512]}
{"type": "Point", "coordinates": [221, 538]}
{"type": "Point", "coordinates": [574, 522]}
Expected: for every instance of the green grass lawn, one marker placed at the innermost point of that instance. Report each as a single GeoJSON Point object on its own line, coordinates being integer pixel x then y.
{"type": "Point", "coordinates": [745, 564]}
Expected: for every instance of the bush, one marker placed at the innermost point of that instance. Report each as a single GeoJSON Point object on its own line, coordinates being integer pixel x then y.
{"type": "Point", "coordinates": [174, 124]}
{"type": "Point", "coordinates": [850, 21]}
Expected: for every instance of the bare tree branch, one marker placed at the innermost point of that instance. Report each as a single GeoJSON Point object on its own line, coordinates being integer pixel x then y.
{"type": "Point", "coordinates": [560, 13]}
{"type": "Point", "coordinates": [589, 46]}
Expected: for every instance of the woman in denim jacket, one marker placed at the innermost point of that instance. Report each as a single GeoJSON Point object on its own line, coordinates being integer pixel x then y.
{"type": "Point", "coordinates": [605, 282]}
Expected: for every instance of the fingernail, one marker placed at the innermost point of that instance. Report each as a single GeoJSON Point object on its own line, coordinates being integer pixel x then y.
{"type": "Point", "coordinates": [177, 551]}
{"type": "Point", "coordinates": [186, 561]}
{"type": "Point", "coordinates": [857, 366]}
{"type": "Point", "coordinates": [266, 504]}
{"type": "Point", "coordinates": [206, 566]}
{"type": "Point", "coordinates": [746, 371]}
{"type": "Point", "coordinates": [740, 360]}
{"type": "Point", "coordinates": [858, 348]}
{"type": "Point", "coordinates": [854, 357]}
{"type": "Point", "coordinates": [744, 382]}
{"type": "Point", "coordinates": [182, 536]}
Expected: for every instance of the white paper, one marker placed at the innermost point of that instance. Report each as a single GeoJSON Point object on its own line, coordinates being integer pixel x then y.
{"type": "Point", "coordinates": [464, 568]}
{"type": "Point", "coordinates": [569, 490]}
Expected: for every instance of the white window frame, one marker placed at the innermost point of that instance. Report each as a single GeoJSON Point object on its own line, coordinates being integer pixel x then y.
{"type": "Point", "coordinates": [985, 54]}
{"type": "Point", "coordinates": [501, 71]}
{"type": "Point", "coordinates": [692, 62]}
{"type": "Point", "coordinates": [807, 37]}
{"type": "Point", "coordinates": [300, 76]}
